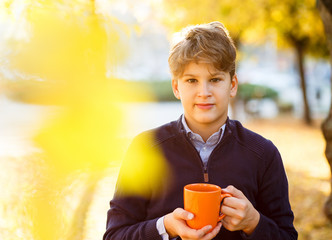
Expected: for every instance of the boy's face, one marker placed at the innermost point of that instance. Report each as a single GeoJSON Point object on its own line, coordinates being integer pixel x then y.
{"type": "Point", "coordinates": [205, 93]}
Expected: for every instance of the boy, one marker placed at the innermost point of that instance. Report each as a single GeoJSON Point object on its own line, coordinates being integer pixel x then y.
{"type": "Point", "coordinates": [204, 145]}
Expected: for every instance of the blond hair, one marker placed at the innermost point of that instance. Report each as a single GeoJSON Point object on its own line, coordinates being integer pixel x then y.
{"type": "Point", "coordinates": [208, 43]}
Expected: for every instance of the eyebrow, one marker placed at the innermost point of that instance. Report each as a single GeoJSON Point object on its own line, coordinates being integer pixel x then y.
{"type": "Point", "coordinates": [218, 74]}
{"type": "Point", "coordinates": [212, 75]}
{"type": "Point", "coordinates": [188, 75]}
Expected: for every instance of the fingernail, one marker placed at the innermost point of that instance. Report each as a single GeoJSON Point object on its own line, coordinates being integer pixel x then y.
{"type": "Point", "coordinates": [209, 227]}
{"type": "Point", "coordinates": [190, 216]}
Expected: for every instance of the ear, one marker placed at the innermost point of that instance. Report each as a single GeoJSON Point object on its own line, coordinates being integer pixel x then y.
{"type": "Point", "coordinates": [175, 88]}
{"type": "Point", "coordinates": [234, 85]}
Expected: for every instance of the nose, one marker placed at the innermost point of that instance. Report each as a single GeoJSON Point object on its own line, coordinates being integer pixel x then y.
{"type": "Point", "coordinates": [204, 90]}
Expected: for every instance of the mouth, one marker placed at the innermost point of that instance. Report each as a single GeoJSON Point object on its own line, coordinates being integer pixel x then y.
{"type": "Point", "coordinates": [204, 105]}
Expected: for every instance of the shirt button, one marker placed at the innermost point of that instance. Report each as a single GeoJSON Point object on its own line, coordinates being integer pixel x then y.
{"type": "Point", "coordinates": [204, 148]}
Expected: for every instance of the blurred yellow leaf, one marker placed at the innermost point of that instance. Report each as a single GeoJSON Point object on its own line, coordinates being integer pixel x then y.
{"type": "Point", "coordinates": [70, 49]}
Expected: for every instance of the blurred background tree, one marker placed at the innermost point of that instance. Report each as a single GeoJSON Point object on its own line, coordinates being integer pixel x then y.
{"type": "Point", "coordinates": [325, 9]}
{"type": "Point", "coordinates": [297, 24]}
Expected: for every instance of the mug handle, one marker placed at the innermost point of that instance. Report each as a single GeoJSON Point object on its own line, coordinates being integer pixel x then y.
{"type": "Point", "coordinates": [223, 196]}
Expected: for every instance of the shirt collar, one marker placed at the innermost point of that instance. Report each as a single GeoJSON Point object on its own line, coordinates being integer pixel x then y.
{"type": "Point", "coordinates": [189, 132]}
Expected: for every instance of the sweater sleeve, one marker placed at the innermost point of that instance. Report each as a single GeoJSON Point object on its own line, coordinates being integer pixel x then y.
{"type": "Point", "coordinates": [276, 216]}
{"type": "Point", "coordinates": [125, 220]}
{"type": "Point", "coordinates": [127, 217]}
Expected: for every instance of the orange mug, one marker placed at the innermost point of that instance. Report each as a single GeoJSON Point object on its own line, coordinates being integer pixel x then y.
{"type": "Point", "coordinates": [204, 201]}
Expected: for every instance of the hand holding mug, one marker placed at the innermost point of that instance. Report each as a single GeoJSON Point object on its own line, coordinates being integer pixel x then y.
{"type": "Point", "coordinates": [204, 201]}
{"type": "Point", "coordinates": [175, 225]}
{"type": "Point", "coordinates": [241, 214]}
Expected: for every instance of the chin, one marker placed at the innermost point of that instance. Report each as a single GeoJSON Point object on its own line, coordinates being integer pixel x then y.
{"type": "Point", "coordinates": [210, 120]}
{"type": "Point", "coordinates": [206, 120]}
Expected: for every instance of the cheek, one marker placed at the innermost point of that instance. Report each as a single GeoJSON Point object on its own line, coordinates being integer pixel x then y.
{"type": "Point", "coordinates": [186, 92]}
{"type": "Point", "coordinates": [187, 100]}
{"type": "Point", "coordinates": [222, 94]}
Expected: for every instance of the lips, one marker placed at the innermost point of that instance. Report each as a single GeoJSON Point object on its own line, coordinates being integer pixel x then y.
{"type": "Point", "coordinates": [204, 105]}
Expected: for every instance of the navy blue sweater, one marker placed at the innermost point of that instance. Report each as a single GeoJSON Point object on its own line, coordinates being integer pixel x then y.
{"type": "Point", "coordinates": [243, 159]}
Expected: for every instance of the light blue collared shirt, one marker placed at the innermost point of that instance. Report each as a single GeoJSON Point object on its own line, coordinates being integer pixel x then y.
{"type": "Point", "coordinates": [203, 148]}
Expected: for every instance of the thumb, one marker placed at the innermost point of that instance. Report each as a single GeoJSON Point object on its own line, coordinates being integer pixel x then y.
{"type": "Point", "coordinates": [180, 213]}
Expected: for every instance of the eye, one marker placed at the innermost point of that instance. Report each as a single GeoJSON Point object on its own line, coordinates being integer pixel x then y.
{"type": "Point", "coordinates": [191, 80]}
{"type": "Point", "coordinates": [215, 80]}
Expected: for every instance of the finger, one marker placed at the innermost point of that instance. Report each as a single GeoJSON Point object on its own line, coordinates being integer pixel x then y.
{"type": "Point", "coordinates": [213, 233]}
{"type": "Point", "coordinates": [235, 203]}
{"type": "Point", "coordinates": [236, 207]}
{"type": "Point", "coordinates": [229, 211]}
{"type": "Point", "coordinates": [200, 233]}
{"type": "Point", "coordinates": [191, 233]}
{"type": "Point", "coordinates": [180, 213]}
{"type": "Point", "coordinates": [204, 230]}
{"type": "Point", "coordinates": [233, 191]}
{"type": "Point", "coordinates": [239, 212]}
{"type": "Point", "coordinates": [227, 224]}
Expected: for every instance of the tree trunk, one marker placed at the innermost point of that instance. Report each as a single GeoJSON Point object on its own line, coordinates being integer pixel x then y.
{"type": "Point", "coordinates": [299, 46]}
{"type": "Point", "coordinates": [325, 9]}
{"type": "Point", "coordinates": [327, 131]}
